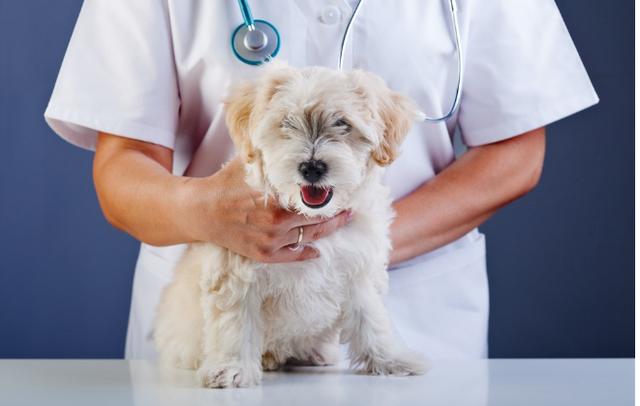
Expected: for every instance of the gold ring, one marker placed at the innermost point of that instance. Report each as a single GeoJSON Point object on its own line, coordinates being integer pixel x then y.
{"type": "Point", "coordinates": [296, 246]}
{"type": "Point", "coordinates": [300, 235]}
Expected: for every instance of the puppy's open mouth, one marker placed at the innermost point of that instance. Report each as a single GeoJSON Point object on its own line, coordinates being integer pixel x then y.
{"type": "Point", "coordinates": [315, 197]}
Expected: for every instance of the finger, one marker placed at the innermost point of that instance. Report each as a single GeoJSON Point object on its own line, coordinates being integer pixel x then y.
{"type": "Point", "coordinates": [284, 255]}
{"type": "Point", "coordinates": [298, 220]}
{"type": "Point", "coordinates": [292, 236]}
{"type": "Point", "coordinates": [274, 213]}
{"type": "Point", "coordinates": [316, 231]}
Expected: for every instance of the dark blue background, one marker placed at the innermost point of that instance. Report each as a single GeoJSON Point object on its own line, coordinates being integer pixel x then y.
{"type": "Point", "coordinates": [560, 260]}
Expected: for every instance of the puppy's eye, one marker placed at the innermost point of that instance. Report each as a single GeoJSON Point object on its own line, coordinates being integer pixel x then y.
{"type": "Point", "coordinates": [342, 124]}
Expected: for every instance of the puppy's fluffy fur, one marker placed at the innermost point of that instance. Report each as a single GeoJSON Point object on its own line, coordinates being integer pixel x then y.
{"type": "Point", "coordinates": [231, 317]}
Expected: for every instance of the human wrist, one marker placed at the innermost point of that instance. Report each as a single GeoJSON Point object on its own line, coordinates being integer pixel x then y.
{"type": "Point", "coordinates": [188, 209]}
{"type": "Point", "coordinates": [197, 199]}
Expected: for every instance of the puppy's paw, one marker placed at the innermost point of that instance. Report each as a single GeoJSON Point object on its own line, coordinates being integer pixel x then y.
{"type": "Point", "coordinates": [401, 364]}
{"type": "Point", "coordinates": [269, 362]}
{"type": "Point", "coordinates": [317, 358]}
{"type": "Point", "coordinates": [229, 375]}
{"type": "Point", "coordinates": [314, 358]}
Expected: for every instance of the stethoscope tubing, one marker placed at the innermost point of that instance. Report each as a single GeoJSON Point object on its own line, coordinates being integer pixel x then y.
{"type": "Point", "coordinates": [246, 14]}
{"type": "Point", "coordinates": [456, 32]}
{"type": "Point", "coordinates": [249, 22]}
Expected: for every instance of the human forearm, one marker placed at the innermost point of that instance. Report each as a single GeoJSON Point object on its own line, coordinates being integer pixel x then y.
{"type": "Point", "coordinates": [466, 194]}
{"type": "Point", "coordinates": [139, 195]}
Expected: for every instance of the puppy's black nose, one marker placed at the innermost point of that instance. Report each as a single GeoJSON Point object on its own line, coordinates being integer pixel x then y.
{"type": "Point", "coordinates": [312, 170]}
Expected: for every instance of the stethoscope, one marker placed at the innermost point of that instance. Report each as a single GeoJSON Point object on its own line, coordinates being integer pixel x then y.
{"type": "Point", "coordinates": [255, 42]}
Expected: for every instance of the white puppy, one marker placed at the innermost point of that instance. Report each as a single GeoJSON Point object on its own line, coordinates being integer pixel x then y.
{"type": "Point", "coordinates": [317, 140]}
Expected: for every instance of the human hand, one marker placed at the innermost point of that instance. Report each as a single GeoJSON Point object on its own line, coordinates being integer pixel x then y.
{"type": "Point", "coordinates": [235, 216]}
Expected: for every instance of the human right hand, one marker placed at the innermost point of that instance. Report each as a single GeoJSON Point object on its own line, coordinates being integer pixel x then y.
{"type": "Point", "coordinates": [139, 195]}
{"type": "Point", "coordinates": [235, 216]}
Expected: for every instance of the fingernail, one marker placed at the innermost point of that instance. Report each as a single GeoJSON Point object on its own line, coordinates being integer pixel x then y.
{"type": "Point", "coordinates": [310, 253]}
{"type": "Point", "coordinates": [315, 253]}
{"type": "Point", "coordinates": [349, 216]}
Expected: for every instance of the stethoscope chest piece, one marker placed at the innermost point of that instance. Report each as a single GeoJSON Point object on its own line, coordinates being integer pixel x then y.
{"type": "Point", "coordinates": [257, 43]}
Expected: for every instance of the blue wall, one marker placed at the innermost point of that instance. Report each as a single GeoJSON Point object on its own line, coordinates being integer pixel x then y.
{"type": "Point", "coordinates": [561, 259]}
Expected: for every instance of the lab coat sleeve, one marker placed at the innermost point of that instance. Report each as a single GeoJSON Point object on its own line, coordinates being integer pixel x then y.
{"type": "Point", "coordinates": [522, 70]}
{"type": "Point", "coordinates": [118, 75]}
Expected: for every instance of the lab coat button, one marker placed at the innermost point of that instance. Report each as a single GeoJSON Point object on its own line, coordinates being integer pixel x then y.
{"type": "Point", "coordinates": [330, 15]}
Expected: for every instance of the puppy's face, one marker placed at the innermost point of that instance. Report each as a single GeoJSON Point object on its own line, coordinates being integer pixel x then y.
{"type": "Point", "coordinates": [313, 135]}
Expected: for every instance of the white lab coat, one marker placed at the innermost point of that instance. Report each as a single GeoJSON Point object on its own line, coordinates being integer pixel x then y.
{"type": "Point", "coordinates": [157, 71]}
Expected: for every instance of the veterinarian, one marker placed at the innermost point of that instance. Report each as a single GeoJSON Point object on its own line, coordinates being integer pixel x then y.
{"type": "Point", "coordinates": [142, 84]}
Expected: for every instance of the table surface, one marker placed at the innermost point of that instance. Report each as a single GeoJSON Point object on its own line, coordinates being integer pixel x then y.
{"type": "Point", "coordinates": [489, 382]}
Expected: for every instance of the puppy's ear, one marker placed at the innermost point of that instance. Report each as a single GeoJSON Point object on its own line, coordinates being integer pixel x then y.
{"type": "Point", "coordinates": [392, 115]}
{"type": "Point", "coordinates": [239, 105]}
{"type": "Point", "coordinates": [275, 75]}
{"type": "Point", "coordinates": [247, 101]}
{"type": "Point", "coordinates": [398, 114]}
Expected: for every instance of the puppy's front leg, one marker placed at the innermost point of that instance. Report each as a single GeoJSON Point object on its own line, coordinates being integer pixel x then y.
{"type": "Point", "coordinates": [372, 343]}
{"type": "Point", "coordinates": [232, 334]}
